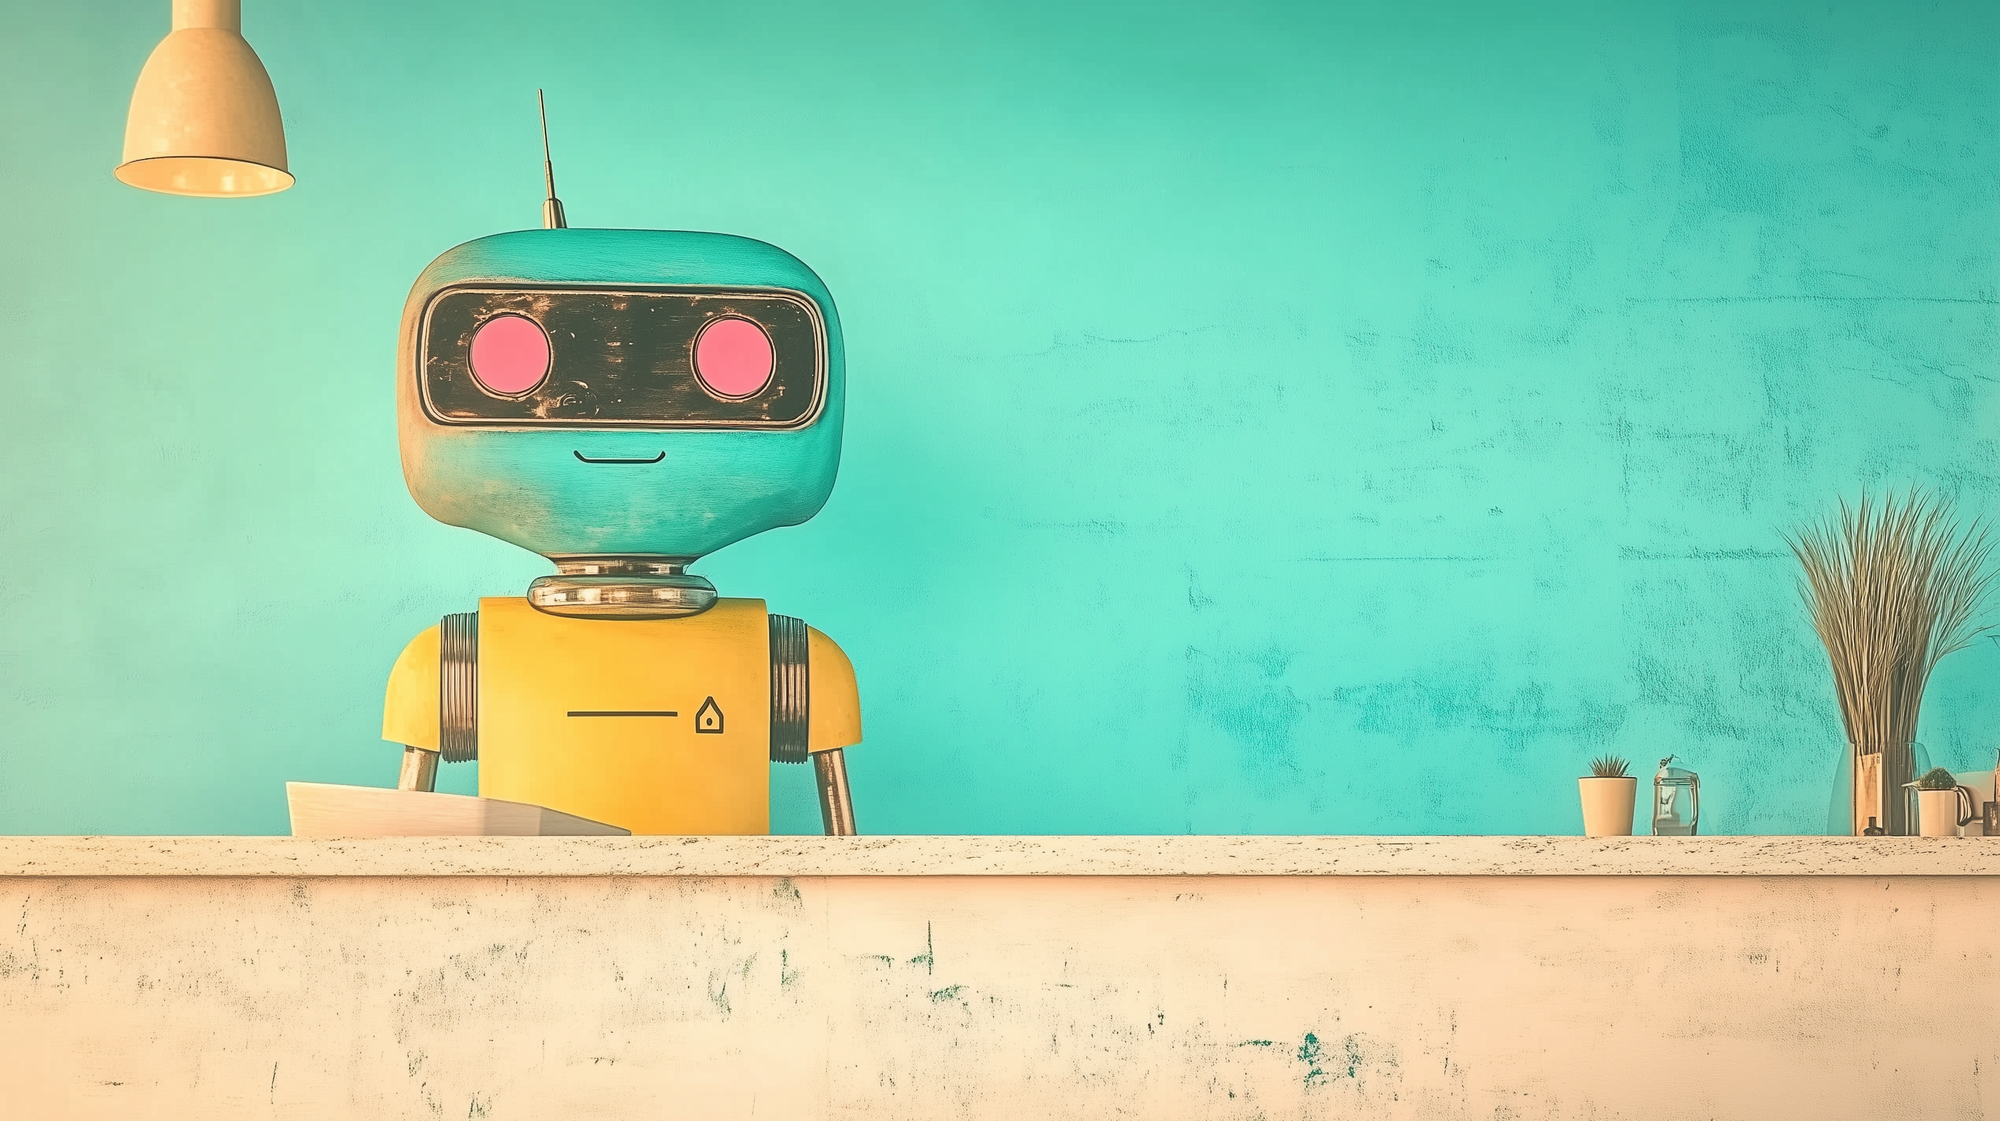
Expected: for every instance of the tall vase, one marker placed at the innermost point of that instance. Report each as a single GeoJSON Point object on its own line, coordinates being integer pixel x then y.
{"type": "Point", "coordinates": [1870, 789]}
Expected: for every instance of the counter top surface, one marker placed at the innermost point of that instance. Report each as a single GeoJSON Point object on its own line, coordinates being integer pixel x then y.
{"type": "Point", "coordinates": [999, 856]}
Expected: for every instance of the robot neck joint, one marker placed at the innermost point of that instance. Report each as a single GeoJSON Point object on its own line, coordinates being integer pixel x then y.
{"type": "Point", "coordinates": [622, 587]}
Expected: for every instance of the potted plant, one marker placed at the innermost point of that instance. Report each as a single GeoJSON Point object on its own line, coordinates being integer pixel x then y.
{"type": "Point", "coordinates": [1608, 795]}
{"type": "Point", "coordinates": [1939, 798]}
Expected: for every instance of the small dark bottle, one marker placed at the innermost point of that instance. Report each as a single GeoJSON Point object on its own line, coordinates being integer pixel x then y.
{"type": "Point", "coordinates": [1874, 830]}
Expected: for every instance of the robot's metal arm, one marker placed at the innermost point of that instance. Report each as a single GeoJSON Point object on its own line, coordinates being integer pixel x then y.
{"type": "Point", "coordinates": [836, 805]}
{"type": "Point", "coordinates": [815, 713]}
{"type": "Point", "coordinates": [432, 703]}
{"type": "Point", "coordinates": [420, 770]}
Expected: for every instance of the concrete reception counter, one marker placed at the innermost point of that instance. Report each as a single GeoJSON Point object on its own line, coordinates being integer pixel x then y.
{"type": "Point", "coordinates": [1001, 977]}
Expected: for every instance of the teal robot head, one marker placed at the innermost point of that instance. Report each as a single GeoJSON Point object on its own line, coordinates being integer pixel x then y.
{"type": "Point", "coordinates": [619, 397]}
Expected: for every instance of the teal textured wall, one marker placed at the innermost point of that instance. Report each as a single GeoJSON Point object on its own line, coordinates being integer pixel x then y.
{"type": "Point", "coordinates": [1309, 418]}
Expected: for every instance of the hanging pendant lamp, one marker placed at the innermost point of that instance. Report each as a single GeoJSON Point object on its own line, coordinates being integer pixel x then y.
{"type": "Point", "coordinates": [204, 118]}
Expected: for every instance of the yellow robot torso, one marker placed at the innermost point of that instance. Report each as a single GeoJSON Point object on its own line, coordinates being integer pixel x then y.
{"type": "Point", "coordinates": [663, 726]}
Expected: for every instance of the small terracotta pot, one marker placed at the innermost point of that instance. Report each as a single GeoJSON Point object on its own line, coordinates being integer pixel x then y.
{"type": "Point", "coordinates": [1607, 805]}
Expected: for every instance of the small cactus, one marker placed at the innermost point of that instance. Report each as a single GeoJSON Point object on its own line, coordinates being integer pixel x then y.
{"type": "Point", "coordinates": [1937, 778]}
{"type": "Point", "coordinates": [1609, 766]}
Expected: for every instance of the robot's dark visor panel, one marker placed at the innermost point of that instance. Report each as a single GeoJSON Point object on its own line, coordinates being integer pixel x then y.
{"type": "Point", "coordinates": [643, 357]}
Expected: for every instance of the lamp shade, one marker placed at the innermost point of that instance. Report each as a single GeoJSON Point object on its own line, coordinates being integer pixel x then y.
{"type": "Point", "coordinates": [204, 118]}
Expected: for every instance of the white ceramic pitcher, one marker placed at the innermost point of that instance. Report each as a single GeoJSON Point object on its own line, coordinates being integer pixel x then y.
{"type": "Point", "coordinates": [1941, 812]}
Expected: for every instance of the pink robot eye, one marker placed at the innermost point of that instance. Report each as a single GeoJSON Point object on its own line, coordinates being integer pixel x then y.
{"type": "Point", "coordinates": [510, 355]}
{"type": "Point", "coordinates": [732, 357]}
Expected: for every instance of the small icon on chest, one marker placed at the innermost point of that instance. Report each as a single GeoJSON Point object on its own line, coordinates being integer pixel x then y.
{"type": "Point", "coordinates": [708, 718]}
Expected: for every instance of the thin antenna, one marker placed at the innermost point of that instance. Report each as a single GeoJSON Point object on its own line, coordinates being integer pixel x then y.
{"type": "Point", "coordinates": [552, 211]}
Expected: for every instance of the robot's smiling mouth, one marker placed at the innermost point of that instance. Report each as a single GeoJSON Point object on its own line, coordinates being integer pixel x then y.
{"type": "Point", "coordinates": [616, 459]}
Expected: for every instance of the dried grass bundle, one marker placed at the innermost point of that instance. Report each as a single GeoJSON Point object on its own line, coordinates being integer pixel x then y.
{"type": "Point", "coordinates": [1891, 589]}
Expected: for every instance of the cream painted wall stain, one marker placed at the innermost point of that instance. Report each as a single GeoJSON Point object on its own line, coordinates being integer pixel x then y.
{"type": "Point", "coordinates": [1228, 997]}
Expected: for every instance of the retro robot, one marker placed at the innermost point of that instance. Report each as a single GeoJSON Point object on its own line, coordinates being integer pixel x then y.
{"type": "Point", "coordinates": [623, 402]}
